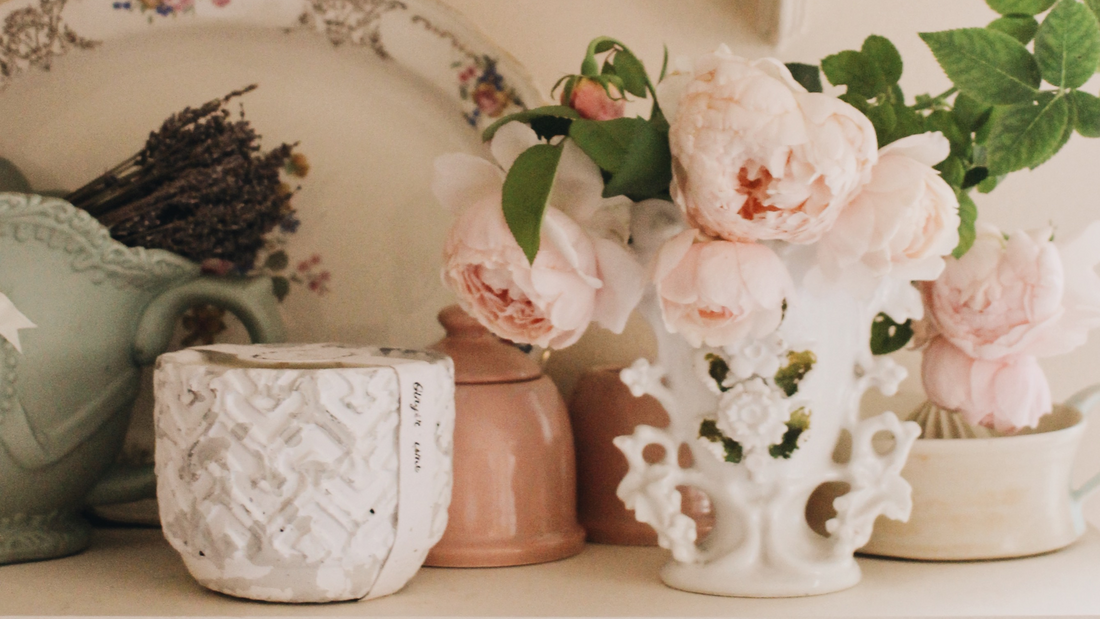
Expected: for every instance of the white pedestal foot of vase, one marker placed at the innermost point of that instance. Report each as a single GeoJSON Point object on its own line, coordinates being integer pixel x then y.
{"type": "Point", "coordinates": [759, 582]}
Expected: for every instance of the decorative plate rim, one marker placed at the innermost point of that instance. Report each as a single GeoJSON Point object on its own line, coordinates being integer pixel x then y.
{"type": "Point", "coordinates": [487, 80]}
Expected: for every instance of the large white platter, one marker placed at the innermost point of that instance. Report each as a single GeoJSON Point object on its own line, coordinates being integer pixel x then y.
{"type": "Point", "coordinates": [373, 90]}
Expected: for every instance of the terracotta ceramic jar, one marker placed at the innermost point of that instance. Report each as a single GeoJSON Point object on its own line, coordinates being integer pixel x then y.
{"type": "Point", "coordinates": [602, 408]}
{"type": "Point", "coordinates": [514, 499]}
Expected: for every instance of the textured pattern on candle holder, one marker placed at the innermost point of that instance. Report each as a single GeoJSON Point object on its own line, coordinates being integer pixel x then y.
{"type": "Point", "coordinates": [279, 485]}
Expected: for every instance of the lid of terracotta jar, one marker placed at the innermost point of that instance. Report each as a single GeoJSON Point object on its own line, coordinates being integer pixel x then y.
{"type": "Point", "coordinates": [481, 357]}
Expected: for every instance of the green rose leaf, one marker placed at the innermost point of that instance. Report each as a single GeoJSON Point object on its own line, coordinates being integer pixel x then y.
{"type": "Point", "coordinates": [1067, 45]}
{"type": "Point", "coordinates": [1087, 108]}
{"type": "Point", "coordinates": [989, 184]}
{"type": "Point", "coordinates": [970, 114]}
{"type": "Point", "coordinates": [631, 70]}
{"type": "Point", "coordinates": [809, 75]}
{"type": "Point", "coordinates": [968, 216]}
{"type": "Point", "coordinates": [856, 71]}
{"type": "Point", "coordinates": [883, 53]}
{"type": "Point", "coordinates": [888, 336]}
{"type": "Point", "coordinates": [526, 191]}
{"type": "Point", "coordinates": [885, 120]}
{"type": "Point", "coordinates": [280, 286]}
{"type": "Point", "coordinates": [1094, 6]}
{"type": "Point", "coordinates": [944, 122]}
{"type": "Point", "coordinates": [1071, 121]}
{"type": "Point", "coordinates": [1023, 136]}
{"type": "Point", "coordinates": [974, 176]}
{"type": "Point", "coordinates": [1020, 27]}
{"type": "Point", "coordinates": [646, 170]}
{"type": "Point", "coordinates": [1024, 7]}
{"type": "Point", "coordinates": [855, 100]}
{"type": "Point", "coordinates": [604, 45]}
{"type": "Point", "coordinates": [547, 127]}
{"type": "Point", "coordinates": [562, 112]}
{"type": "Point", "coordinates": [952, 170]}
{"type": "Point", "coordinates": [987, 65]}
{"type": "Point", "coordinates": [606, 142]}
{"type": "Point", "coordinates": [909, 121]}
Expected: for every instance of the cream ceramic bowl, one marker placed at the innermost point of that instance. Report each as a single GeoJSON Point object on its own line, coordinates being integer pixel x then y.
{"type": "Point", "coordinates": [993, 498]}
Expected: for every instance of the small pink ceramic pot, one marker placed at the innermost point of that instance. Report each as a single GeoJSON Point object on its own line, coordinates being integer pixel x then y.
{"type": "Point", "coordinates": [514, 499]}
{"type": "Point", "coordinates": [602, 408]}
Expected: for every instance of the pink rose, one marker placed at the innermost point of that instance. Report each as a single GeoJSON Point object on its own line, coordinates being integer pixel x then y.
{"type": "Point", "coordinates": [1005, 394]}
{"type": "Point", "coordinates": [591, 101]}
{"type": "Point", "coordinates": [1003, 297]}
{"type": "Point", "coordinates": [716, 292]}
{"type": "Point", "coordinates": [756, 157]}
{"type": "Point", "coordinates": [583, 272]}
{"type": "Point", "coordinates": [903, 221]}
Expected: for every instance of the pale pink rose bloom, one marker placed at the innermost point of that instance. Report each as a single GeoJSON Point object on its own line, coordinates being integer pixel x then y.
{"type": "Point", "coordinates": [1005, 394]}
{"type": "Point", "coordinates": [903, 222]}
{"type": "Point", "coordinates": [756, 157]}
{"type": "Point", "coordinates": [716, 292]}
{"type": "Point", "coordinates": [592, 102]}
{"type": "Point", "coordinates": [1003, 297]}
{"type": "Point", "coordinates": [583, 272]}
{"type": "Point", "coordinates": [1081, 300]}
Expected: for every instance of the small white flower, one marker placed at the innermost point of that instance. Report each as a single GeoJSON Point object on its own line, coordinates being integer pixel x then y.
{"type": "Point", "coordinates": [756, 356]}
{"type": "Point", "coordinates": [754, 414]}
{"type": "Point", "coordinates": [714, 447]}
{"type": "Point", "coordinates": [641, 377]}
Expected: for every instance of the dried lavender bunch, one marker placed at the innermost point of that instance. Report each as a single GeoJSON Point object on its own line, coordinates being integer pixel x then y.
{"type": "Point", "coordinates": [201, 187]}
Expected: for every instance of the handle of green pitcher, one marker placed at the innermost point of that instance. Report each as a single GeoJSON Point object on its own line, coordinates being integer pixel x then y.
{"type": "Point", "coordinates": [250, 299]}
{"type": "Point", "coordinates": [1085, 400]}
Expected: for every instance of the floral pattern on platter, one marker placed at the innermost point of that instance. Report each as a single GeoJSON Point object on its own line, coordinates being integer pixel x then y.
{"type": "Point", "coordinates": [481, 84]}
{"type": "Point", "coordinates": [34, 36]}
{"type": "Point", "coordinates": [479, 81]}
{"type": "Point", "coordinates": [350, 21]}
{"type": "Point", "coordinates": [163, 8]}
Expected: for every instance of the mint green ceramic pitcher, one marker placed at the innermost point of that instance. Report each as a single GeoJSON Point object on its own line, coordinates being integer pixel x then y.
{"type": "Point", "coordinates": [101, 310]}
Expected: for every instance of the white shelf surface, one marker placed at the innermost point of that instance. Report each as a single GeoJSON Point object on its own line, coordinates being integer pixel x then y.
{"type": "Point", "coordinates": [135, 572]}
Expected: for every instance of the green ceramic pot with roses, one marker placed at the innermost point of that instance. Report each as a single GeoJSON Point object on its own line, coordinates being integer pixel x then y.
{"type": "Point", "coordinates": [100, 312]}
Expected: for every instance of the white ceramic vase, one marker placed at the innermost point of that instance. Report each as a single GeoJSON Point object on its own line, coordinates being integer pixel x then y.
{"type": "Point", "coordinates": [763, 543]}
{"type": "Point", "coordinates": [309, 473]}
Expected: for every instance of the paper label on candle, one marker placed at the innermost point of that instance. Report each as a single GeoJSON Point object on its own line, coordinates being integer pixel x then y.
{"type": "Point", "coordinates": [421, 410]}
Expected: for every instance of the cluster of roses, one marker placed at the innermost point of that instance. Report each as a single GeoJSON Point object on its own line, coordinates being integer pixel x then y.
{"type": "Point", "coordinates": [1010, 299]}
{"type": "Point", "coordinates": [760, 167]}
